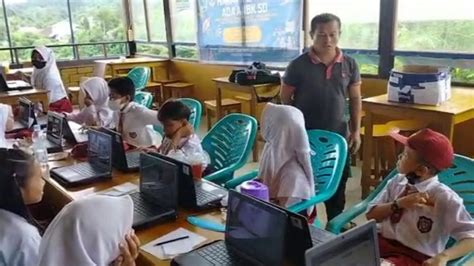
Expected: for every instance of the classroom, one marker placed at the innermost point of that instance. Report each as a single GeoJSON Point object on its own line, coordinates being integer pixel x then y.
{"type": "Point", "coordinates": [236, 132]}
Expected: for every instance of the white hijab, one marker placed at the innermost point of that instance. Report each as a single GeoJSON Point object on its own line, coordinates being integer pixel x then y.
{"type": "Point", "coordinates": [98, 89]}
{"type": "Point", "coordinates": [285, 166]}
{"type": "Point", "coordinates": [87, 232]}
{"type": "Point", "coordinates": [48, 78]}
{"type": "Point", "coordinates": [5, 111]}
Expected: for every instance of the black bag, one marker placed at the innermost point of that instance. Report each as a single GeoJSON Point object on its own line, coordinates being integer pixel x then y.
{"type": "Point", "coordinates": [256, 73]}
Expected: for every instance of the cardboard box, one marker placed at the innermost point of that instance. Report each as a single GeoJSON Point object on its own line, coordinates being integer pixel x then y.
{"type": "Point", "coordinates": [430, 85]}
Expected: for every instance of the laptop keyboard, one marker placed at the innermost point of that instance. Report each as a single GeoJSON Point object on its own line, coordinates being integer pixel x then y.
{"type": "Point", "coordinates": [203, 197]}
{"type": "Point", "coordinates": [133, 159]}
{"type": "Point", "coordinates": [85, 169]}
{"type": "Point", "coordinates": [219, 254]}
{"type": "Point", "coordinates": [143, 207]}
{"type": "Point", "coordinates": [319, 236]}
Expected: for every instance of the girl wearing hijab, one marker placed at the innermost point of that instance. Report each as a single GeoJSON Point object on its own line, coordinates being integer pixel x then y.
{"type": "Point", "coordinates": [6, 122]}
{"type": "Point", "coordinates": [46, 76]}
{"type": "Point", "coordinates": [285, 166]}
{"type": "Point", "coordinates": [87, 232]}
{"type": "Point", "coordinates": [21, 184]}
{"type": "Point", "coordinates": [96, 100]}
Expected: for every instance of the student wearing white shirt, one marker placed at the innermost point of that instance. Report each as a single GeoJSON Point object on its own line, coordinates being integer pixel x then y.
{"type": "Point", "coordinates": [21, 184]}
{"type": "Point", "coordinates": [6, 121]}
{"type": "Point", "coordinates": [418, 214]}
{"type": "Point", "coordinates": [132, 120]}
{"type": "Point", "coordinates": [96, 111]}
{"type": "Point", "coordinates": [46, 76]}
{"type": "Point", "coordinates": [89, 231]}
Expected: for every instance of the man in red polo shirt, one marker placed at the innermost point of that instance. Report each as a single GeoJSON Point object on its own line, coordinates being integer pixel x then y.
{"type": "Point", "coordinates": [318, 83]}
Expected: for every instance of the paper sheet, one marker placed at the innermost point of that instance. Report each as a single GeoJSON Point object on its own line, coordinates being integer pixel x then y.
{"type": "Point", "coordinates": [120, 190]}
{"type": "Point", "coordinates": [170, 250]}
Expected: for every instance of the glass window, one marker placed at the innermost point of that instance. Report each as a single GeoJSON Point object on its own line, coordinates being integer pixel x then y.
{"type": "Point", "coordinates": [90, 51]}
{"type": "Point", "coordinates": [360, 30]}
{"type": "Point", "coordinates": [63, 53]}
{"type": "Point", "coordinates": [152, 49]}
{"type": "Point", "coordinates": [156, 19]}
{"type": "Point", "coordinates": [139, 22]}
{"type": "Point", "coordinates": [98, 21]}
{"type": "Point", "coordinates": [183, 18]}
{"type": "Point", "coordinates": [34, 22]}
{"type": "Point", "coordinates": [3, 30]}
{"type": "Point", "coordinates": [116, 49]}
{"type": "Point", "coordinates": [185, 51]}
{"type": "Point", "coordinates": [435, 25]}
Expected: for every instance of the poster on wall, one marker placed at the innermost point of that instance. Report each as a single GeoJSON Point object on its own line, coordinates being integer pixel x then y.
{"type": "Point", "coordinates": [249, 30]}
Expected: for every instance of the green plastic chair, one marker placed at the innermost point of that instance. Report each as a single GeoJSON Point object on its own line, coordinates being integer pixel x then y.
{"type": "Point", "coordinates": [229, 143]}
{"type": "Point", "coordinates": [328, 158]}
{"type": "Point", "coordinates": [144, 98]}
{"type": "Point", "coordinates": [194, 119]}
{"type": "Point", "coordinates": [458, 178]}
{"type": "Point", "coordinates": [139, 76]}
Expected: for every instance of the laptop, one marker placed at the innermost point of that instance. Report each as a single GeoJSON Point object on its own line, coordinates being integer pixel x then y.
{"type": "Point", "coordinates": [73, 132]}
{"type": "Point", "coordinates": [191, 193]}
{"type": "Point", "coordinates": [356, 247]}
{"type": "Point", "coordinates": [254, 235]}
{"type": "Point", "coordinates": [98, 166]}
{"type": "Point", "coordinates": [121, 160]}
{"type": "Point", "coordinates": [13, 84]}
{"type": "Point", "coordinates": [27, 116]}
{"type": "Point", "coordinates": [157, 199]}
{"type": "Point", "coordinates": [54, 133]}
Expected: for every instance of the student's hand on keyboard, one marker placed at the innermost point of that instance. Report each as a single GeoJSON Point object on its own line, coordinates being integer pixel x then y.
{"type": "Point", "coordinates": [128, 250]}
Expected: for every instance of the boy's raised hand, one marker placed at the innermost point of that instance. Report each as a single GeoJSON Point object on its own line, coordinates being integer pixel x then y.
{"type": "Point", "coordinates": [414, 200]}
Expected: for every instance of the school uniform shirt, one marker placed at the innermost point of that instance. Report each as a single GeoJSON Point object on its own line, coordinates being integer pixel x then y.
{"type": "Point", "coordinates": [427, 228]}
{"type": "Point", "coordinates": [48, 78]}
{"type": "Point", "coordinates": [5, 112]}
{"type": "Point", "coordinates": [135, 122]}
{"type": "Point", "coordinates": [187, 147]}
{"type": "Point", "coordinates": [19, 240]}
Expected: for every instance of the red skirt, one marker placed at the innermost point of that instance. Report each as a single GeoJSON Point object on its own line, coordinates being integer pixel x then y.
{"type": "Point", "coordinates": [398, 254]}
{"type": "Point", "coordinates": [61, 106]}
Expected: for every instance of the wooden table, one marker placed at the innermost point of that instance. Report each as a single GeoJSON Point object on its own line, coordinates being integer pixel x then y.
{"type": "Point", "coordinates": [442, 118]}
{"type": "Point", "coordinates": [34, 95]}
{"type": "Point", "coordinates": [155, 64]}
{"type": "Point", "coordinates": [12, 72]}
{"type": "Point", "coordinates": [56, 196]}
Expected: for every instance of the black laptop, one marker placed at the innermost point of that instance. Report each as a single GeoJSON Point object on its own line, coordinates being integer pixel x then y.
{"type": "Point", "coordinates": [358, 246]}
{"type": "Point", "coordinates": [98, 166]}
{"type": "Point", "coordinates": [254, 235]}
{"type": "Point", "coordinates": [54, 133]}
{"type": "Point", "coordinates": [73, 132]}
{"type": "Point", "coordinates": [191, 193]}
{"type": "Point", "coordinates": [157, 199]}
{"type": "Point", "coordinates": [27, 116]}
{"type": "Point", "coordinates": [13, 84]}
{"type": "Point", "coordinates": [121, 160]}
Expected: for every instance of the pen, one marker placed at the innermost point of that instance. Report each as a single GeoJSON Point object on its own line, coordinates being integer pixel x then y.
{"type": "Point", "coordinates": [171, 240]}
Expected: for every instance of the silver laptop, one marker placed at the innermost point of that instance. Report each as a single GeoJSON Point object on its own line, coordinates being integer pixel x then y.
{"type": "Point", "coordinates": [356, 247]}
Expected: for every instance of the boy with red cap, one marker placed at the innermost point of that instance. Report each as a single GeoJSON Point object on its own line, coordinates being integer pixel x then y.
{"type": "Point", "coordinates": [416, 213]}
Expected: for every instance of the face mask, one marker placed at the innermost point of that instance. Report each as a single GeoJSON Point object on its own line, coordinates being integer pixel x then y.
{"type": "Point", "coordinates": [38, 64]}
{"type": "Point", "coordinates": [115, 105]}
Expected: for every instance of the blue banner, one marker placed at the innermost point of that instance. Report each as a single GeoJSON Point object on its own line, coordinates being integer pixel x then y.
{"type": "Point", "coordinates": [249, 30]}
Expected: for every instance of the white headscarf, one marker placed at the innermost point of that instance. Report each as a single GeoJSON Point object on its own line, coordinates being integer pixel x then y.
{"type": "Point", "coordinates": [48, 78]}
{"type": "Point", "coordinates": [5, 111]}
{"type": "Point", "coordinates": [285, 166]}
{"type": "Point", "coordinates": [98, 89]}
{"type": "Point", "coordinates": [87, 232]}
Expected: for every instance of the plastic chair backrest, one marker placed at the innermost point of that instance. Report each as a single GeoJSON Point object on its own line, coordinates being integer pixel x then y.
{"type": "Point", "coordinates": [230, 142]}
{"type": "Point", "coordinates": [139, 76]}
{"type": "Point", "coordinates": [144, 98]}
{"type": "Point", "coordinates": [328, 159]}
{"type": "Point", "coordinates": [196, 111]}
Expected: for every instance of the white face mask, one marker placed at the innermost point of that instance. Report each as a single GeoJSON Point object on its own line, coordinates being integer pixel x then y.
{"type": "Point", "coordinates": [115, 105]}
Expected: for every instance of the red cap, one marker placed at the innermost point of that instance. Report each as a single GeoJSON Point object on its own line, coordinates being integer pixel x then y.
{"type": "Point", "coordinates": [433, 147]}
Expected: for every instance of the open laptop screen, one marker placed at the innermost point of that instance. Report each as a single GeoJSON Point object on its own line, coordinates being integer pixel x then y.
{"type": "Point", "coordinates": [55, 127]}
{"type": "Point", "coordinates": [158, 180]}
{"type": "Point", "coordinates": [99, 150]}
{"type": "Point", "coordinates": [255, 228]}
{"type": "Point", "coordinates": [26, 109]}
{"type": "Point", "coordinates": [357, 247]}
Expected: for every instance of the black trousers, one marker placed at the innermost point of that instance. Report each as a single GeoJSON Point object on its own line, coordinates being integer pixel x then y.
{"type": "Point", "coordinates": [335, 205]}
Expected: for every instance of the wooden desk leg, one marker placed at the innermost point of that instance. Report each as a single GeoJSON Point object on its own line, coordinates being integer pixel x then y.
{"type": "Point", "coordinates": [218, 102]}
{"type": "Point", "coordinates": [366, 176]}
{"type": "Point", "coordinates": [45, 102]}
{"type": "Point", "coordinates": [448, 128]}
{"type": "Point", "coordinates": [253, 113]}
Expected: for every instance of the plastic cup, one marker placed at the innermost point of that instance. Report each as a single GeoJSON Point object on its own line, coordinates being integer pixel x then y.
{"type": "Point", "coordinates": [197, 170]}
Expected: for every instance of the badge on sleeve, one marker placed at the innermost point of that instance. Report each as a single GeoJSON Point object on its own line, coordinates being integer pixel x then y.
{"type": "Point", "coordinates": [424, 224]}
{"type": "Point", "coordinates": [132, 134]}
